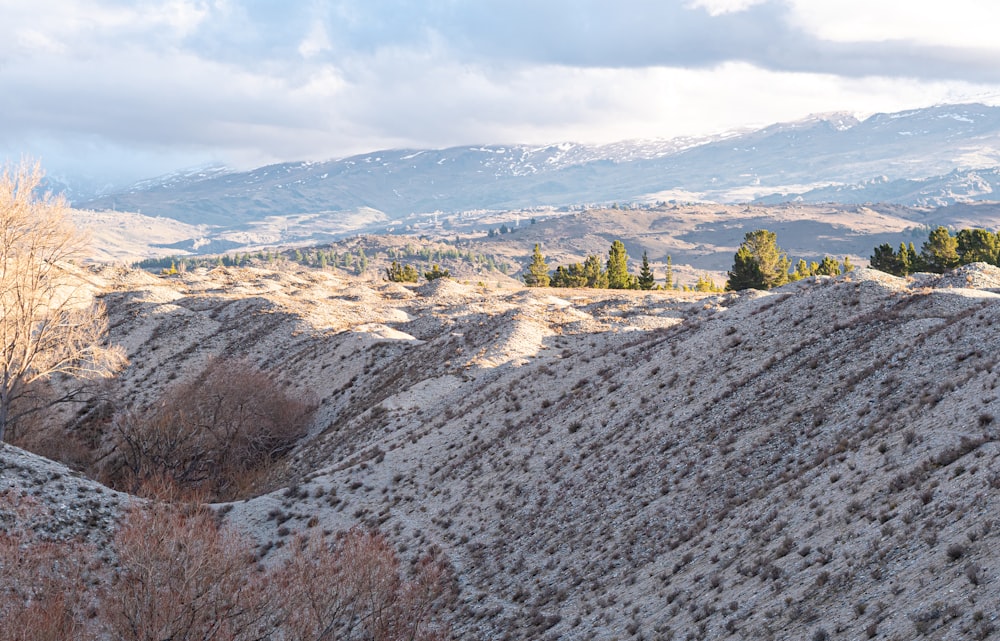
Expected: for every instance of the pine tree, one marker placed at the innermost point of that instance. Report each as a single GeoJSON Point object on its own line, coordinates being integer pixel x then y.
{"type": "Point", "coordinates": [847, 266]}
{"type": "Point", "coordinates": [759, 263]}
{"type": "Point", "coordinates": [646, 278]}
{"type": "Point", "coordinates": [668, 282]}
{"type": "Point", "coordinates": [538, 272]}
{"type": "Point", "coordinates": [829, 267]}
{"type": "Point", "coordinates": [802, 270]}
{"type": "Point", "coordinates": [885, 259]}
{"type": "Point", "coordinates": [940, 251]}
{"type": "Point", "coordinates": [398, 273]}
{"type": "Point", "coordinates": [746, 272]}
{"type": "Point", "coordinates": [705, 284]}
{"type": "Point", "coordinates": [593, 270]}
{"type": "Point", "coordinates": [978, 246]}
{"type": "Point", "coordinates": [618, 276]}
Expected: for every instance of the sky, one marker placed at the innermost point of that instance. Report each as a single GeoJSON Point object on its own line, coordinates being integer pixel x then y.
{"type": "Point", "coordinates": [115, 91]}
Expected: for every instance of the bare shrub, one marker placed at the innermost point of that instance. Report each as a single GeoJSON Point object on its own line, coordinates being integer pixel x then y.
{"type": "Point", "coordinates": [214, 433]}
{"type": "Point", "coordinates": [356, 590]}
{"type": "Point", "coordinates": [181, 576]}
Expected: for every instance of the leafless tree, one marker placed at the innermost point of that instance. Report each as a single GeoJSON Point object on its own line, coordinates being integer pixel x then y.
{"type": "Point", "coordinates": [49, 323]}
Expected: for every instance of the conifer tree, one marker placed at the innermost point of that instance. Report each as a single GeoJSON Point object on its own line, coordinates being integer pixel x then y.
{"type": "Point", "coordinates": [593, 270]}
{"type": "Point", "coordinates": [847, 266]}
{"type": "Point", "coordinates": [829, 267]}
{"type": "Point", "coordinates": [940, 251]}
{"type": "Point", "coordinates": [759, 263]}
{"type": "Point", "coordinates": [538, 272]}
{"type": "Point", "coordinates": [802, 270]}
{"type": "Point", "coordinates": [909, 259]}
{"type": "Point", "coordinates": [885, 259]}
{"type": "Point", "coordinates": [436, 272]}
{"type": "Point", "coordinates": [668, 282]}
{"type": "Point", "coordinates": [978, 246]}
{"type": "Point", "coordinates": [646, 278]}
{"type": "Point", "coordinates": [706, 284]}
{"type": "Point", "coordinates": [398, 273]}
{"type": "Point", "coordinates": [618, 276]}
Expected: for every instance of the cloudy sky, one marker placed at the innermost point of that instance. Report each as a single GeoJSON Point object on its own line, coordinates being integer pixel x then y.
{"type": "Point", "coordinates": [120, 90]}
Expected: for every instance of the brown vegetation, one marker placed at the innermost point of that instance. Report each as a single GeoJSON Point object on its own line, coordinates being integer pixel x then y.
{"type": "Point", "coordinates": [215, 433]}
{"type": "Point", "coordinates": [177, 574]}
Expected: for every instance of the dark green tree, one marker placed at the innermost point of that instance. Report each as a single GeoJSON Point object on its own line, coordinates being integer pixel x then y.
{"type": "Point", "coordinates": [572, 276]}
{"type": "Point", "coordinates": [668, 282]}
{"type": "Point", "coordinates": [885, 259]}
{"type": "Point", "coordinates": [560, 277]}
{"type": "Point", "coordinates": [538, 272]}
{"type": "Point", "coordinates": [759, 263]}
{"type": "Point", "coordinates": [618, 276]}
{"type": "Point", "coordinates": [940, 251]}
{"type": "Point", "coordinates": [646, 278]}
{"type": "Point", "coordinates": [978, 246]}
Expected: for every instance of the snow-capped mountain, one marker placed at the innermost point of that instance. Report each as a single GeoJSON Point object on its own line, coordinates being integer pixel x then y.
{"type": "Point", "coordinates": [925, 156]}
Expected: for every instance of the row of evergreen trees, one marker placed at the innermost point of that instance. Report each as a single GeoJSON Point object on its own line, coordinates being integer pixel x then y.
{"type": "Point", "coordinates": [357, 261]}
{"type": "Point", "coordinates": [760, 264]}
{"type": "Point", "coordinates": [940, 252]}
{"type": "Point", "coordinates": [611, 273]}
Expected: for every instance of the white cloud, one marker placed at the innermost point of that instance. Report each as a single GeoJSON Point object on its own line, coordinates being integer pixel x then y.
{"type": "Point", "coordinates": [956, 23]}
{"type": "Point", "coordinates": [720, 7]}
{"type": "Point", "coordinates": [253, 83]}
{"type": "Point", "coordinates": [316, 42]}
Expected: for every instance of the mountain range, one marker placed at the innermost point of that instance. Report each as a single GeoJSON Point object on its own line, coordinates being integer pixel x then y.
{"type": "Point", "coordinates": [930, 156]}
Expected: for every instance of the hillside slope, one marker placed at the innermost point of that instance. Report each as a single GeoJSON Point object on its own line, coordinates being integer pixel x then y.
{"type": "Point", "coordinates": [818, 461]}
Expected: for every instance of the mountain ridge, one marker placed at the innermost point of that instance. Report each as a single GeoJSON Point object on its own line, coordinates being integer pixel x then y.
{"type": "Point", "coordinates": [826, 150]}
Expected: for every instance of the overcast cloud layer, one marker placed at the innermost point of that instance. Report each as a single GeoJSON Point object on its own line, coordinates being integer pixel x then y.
{"type": "Point", "coordinates": [122, 90]}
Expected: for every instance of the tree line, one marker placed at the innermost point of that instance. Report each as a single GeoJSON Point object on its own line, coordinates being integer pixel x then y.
{"type": "Point", "coordinates": [610, 273]}
{"type": "Point", "coordinates": [357, 262]}
{"type": "Point", "coordinates": [940, 252]}
{"type": "Point", "coordinates": [760, 264]}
